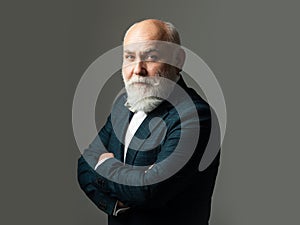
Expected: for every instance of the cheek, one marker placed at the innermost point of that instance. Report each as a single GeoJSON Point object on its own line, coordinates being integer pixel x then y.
{"type": "Point", "coordinates": [126, 72]}
{"type": "Point", "coordinates": [155, 69]}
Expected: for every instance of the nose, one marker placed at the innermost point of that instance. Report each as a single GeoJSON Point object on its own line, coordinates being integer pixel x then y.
{"type": "Point", "coordinates": [139, 69]}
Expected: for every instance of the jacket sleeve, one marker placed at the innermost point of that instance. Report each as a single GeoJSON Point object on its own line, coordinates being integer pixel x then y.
{"type": "Point", "coordinates": [91, 184]}
{"type": "Point", "coordinates": [89, 181]}
{"type": "Point", "coordinates": [146, 190]}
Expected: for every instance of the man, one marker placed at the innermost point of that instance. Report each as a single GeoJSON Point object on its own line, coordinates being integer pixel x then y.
{"type": "Point", "coordinates": [142, 168]}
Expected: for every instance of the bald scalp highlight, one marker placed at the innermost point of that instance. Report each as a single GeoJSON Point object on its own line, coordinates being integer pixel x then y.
{"type": "Point", "coordinates": [167, 30]}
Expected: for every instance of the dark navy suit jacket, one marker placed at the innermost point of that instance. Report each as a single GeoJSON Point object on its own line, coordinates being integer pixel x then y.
{"type": "Point", "coordinates": [174, 147]}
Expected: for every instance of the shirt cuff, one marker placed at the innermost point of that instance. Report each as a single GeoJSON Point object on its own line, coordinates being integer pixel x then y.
{"type": "Point", "coordinates": [117, 211]}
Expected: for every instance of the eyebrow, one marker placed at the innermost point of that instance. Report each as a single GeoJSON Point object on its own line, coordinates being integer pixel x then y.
{"type": "Point", "coordinates": [128, 51]}
{"type": "Point", "coordinates": [147, 51]}
{"type": "Point", "coordinates": [150, 50]}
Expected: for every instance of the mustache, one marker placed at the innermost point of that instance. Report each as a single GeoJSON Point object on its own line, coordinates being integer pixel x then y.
{"type": "Point", "coordinates": [152, 81]}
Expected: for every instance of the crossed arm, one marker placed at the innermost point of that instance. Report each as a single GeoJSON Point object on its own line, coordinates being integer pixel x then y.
{"type": "Point", "coordinates": [109, 183]}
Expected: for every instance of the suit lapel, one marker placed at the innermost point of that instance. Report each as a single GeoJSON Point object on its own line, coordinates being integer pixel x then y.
{"type": "Point", "coordinates": [120, 121]}
{"type": "Point", "coordinates": [144, 132]}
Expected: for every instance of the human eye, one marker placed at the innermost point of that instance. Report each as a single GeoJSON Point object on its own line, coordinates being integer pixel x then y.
{"type": "Point", "coordinates": [152, 57]}
{"type": "Point", "coordinates": [129, 57]}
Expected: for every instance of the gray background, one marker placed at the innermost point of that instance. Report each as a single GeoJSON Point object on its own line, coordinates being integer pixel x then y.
{"type": "Point", "coordinates": [253, 49]}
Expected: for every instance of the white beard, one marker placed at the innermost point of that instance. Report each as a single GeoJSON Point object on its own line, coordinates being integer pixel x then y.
{"type": "Point", "coordinates": [147, 96]}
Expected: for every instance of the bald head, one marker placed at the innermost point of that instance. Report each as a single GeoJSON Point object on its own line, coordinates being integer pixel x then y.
{"type": "Point", "coordinates": [151, 29]}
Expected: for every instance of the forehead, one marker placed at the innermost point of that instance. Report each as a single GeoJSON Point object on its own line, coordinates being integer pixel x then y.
{"type": "Point", "coordinates": [162, 47]}
{"type": "Point", "coordinates": [142, 47]}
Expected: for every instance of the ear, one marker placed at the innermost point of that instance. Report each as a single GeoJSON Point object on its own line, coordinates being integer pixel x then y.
{"type": "Point", "coordinates": [180, 58]}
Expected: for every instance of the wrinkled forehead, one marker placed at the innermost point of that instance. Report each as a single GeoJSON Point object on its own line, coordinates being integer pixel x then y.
{"type": "Point", "coordinates": [162, 47]}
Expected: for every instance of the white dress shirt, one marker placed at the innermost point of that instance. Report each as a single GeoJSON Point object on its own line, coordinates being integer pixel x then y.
{"type": "Point", "coordinates": [134, 124]}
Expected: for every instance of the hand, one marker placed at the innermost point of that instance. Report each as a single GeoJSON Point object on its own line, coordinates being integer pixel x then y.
{"type": "Point", "coordinates": [121, 208]}
{"type": "Point", "coordinates": [106, 156]}
{"type": "Point", "coordinates": [120, 204]}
